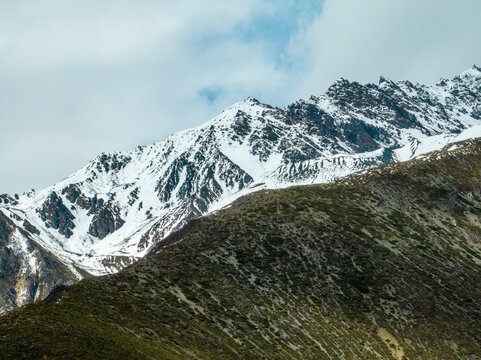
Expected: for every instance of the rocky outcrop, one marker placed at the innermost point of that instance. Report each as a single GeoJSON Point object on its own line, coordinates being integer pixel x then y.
{"type": "Point", "coordinates": [112, 162]}
{"type": "Point", "coordinates": [106, 216]}
{"type": "Point", "coordinates": [27, 271]}
{"type": "Point", "coordinates": [7, 200]}
{"type": "Point", "coordinates": [105, 221]}
{"type": "Point", "coordinates": [56, 215]}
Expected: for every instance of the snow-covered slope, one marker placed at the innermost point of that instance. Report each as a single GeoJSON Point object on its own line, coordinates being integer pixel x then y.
{"type": "Point", "coordinates": [111, 211]}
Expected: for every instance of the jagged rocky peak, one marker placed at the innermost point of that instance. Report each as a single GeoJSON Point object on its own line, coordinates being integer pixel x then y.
{"type": "Point", "coordinates": [251, 101]}
{"type": "Point", "coordinates": [338, 84]}
{"type": "Point", "coordinates": [383, 79]}
{"type": "Point", "coordinates": [115, 208]}
{"type": "Point", "coordinates": [473, 73]}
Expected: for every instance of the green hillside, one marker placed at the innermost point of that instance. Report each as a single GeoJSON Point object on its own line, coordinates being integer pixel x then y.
{"type": "Point", "coordinates": [384, 265]}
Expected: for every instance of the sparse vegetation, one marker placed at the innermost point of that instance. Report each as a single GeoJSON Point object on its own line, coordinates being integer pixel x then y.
{"type": "Point", "coordinates": [385, 265]}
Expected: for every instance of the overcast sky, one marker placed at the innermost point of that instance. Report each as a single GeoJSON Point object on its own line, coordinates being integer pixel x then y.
{"type": "Point", "coordinates": [78, 78]}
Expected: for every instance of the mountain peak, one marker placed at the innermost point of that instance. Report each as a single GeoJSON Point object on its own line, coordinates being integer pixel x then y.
{"type": "Point", "coordinates": [251, 99]}
{"type": "Point", "coordinates": [115, 208]}
{"type": "Point", "coordinates": [384, 81]}
{"type": "Point", "coordinates": [247, 102]}
{"type": "Point", "coordinates": [337, 86]}
{"type": "Point", "coordinates": [473, 72]}
{"type": "Point", "coordinates": [341, 81]}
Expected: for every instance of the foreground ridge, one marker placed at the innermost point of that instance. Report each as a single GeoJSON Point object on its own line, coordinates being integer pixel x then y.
{"type": "Point", "coordinates": [380, 265]}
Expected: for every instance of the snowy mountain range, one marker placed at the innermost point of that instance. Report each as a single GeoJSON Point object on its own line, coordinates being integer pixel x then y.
{"type": "Point", "coordinates": [114, 209]}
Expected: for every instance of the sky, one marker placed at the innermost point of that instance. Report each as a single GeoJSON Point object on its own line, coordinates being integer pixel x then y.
{"type": "Point", "coordinates": [78, 78]}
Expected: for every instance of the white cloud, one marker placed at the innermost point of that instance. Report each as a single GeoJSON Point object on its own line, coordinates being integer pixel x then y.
{"type": "Point", "coordinates": [409, 39]}
{"type": "Point", "coordinates": [82, 77]}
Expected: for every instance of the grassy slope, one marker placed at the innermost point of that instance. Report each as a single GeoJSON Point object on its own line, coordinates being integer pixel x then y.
{"type": "Point", "coordinates": [382, 265]}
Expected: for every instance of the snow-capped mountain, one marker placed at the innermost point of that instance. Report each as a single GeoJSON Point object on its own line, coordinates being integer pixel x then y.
{"type": "Point", "coordinates": [115, 208]}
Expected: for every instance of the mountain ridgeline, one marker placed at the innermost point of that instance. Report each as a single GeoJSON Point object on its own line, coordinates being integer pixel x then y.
{"type": "Point", "coordinates": [116, 208]}
{"type": "Point", "coordinates": [380, 265]}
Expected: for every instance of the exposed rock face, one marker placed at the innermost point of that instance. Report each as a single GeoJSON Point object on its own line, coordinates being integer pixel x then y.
{"type": "Point", "coordinates": [112, 162]}
{"type": "Point", "coordinates": [56, 215]}
{"type": "Point", "coordinates": [7, 199]}
{"type": "Point", "coordinates": [105, 222]}
{"type": "Point", "coordinates": [6, 228]}
{"type": "Point", "coordinates": [73, 194]}
{"type": "Point", "coordinates": [9, 261]}
{"type": "Point", "coordinates": [120, 205]}
{"type": "Point", "coordinates": [106, 216]}
{"type": "Point", "coordinates": [27, 271]}
{"type": "Point", "coordinates": [30, 228]}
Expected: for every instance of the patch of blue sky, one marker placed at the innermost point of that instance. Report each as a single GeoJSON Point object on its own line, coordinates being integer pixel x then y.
{"type": "Point", "coordinates": [211, 93]}
{"type": "Point", "coordinates": [273, 29]}
{"type": "Point", "coordinates": [277, 29]}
